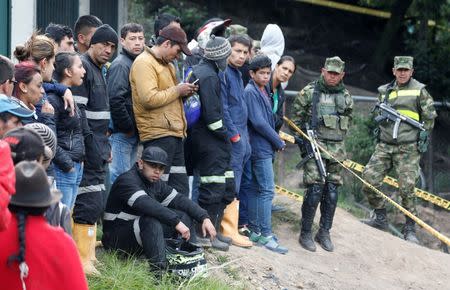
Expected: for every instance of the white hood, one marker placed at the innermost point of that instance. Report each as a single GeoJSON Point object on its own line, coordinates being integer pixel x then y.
{"type": "Point", "coordinates": [272, 43]}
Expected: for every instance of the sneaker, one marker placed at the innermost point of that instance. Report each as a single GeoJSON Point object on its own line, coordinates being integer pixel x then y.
{"type": "Point", "coordinates": [271, 244]}
{"type": "Point", "coordinates": [254, 237]}
{"type": "Point", "coordinates": [244, 231]}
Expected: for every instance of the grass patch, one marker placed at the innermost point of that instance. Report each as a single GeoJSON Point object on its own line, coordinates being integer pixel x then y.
{"type": "Point", "coordinates": [133, 273]}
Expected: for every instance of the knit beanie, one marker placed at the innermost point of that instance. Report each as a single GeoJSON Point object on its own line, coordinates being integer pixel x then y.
{"type": "Point", "coordinates": [105, 33]}
{"type": "Point", "coordinates": [217, 48]}
{"type": "Point", "coordinates": [47, 136]}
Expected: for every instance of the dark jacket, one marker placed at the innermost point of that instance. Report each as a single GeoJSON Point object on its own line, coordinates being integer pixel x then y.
{"type": "Point", "coordinates": [234, 106]}
{"type": "Point", "coordinates": [132, 196]}
{"type": "Point", "coordinates": [278, 114]}
{"type": "Point", "coordinates": [119, 91]}
{"type": "Point", "coordinates": [261, 125]}
{"type": "Point", "coordinates": [211, 118]}
{"type": "Point", "coordinates": [69, 133]}
{"type": "Point", "coordinates": [93, 102]}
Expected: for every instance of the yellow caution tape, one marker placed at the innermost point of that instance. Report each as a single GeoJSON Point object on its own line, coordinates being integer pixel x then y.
{"type": "Point", "coordinates": [421, 223]}
{"type": "Point", "coordinates": [291, 194]}
{"type": "Point", "coordinates": [434, 199]}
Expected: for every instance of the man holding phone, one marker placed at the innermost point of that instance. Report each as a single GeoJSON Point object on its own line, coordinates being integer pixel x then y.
{"type": "Point", "coordinates": [157, 102]}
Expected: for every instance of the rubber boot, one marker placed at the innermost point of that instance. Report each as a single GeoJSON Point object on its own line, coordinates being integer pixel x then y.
{"type": "Point", "coordinates": [229, 226]}
{"type": "Point", "coordinates": [323, 238]}
{"type": "Point", "coordinates": [306, 241]}
{"type": "Point", "coordinates": [309, 207]}
{"type": "Point", "coordinates": [409, 231]}
{"type": "Point", "coordinates": [378, 220]}
{"type": "Point", "coordinates": [84, 237]}
{"type": "Point", "coordinates": [327, 210]}
{"type": "Point", "coordinates": [96, 244]}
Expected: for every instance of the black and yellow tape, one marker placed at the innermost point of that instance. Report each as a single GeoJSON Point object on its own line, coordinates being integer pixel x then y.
{"type": "Point", "coordinates": [434, 199]}
{"type": "Point", "coordinates": [420, 222]}
{"type": "Point", "coordinates": [288, 193]}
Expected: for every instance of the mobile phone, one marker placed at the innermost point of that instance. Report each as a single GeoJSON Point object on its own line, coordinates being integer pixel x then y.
{"type": "Point", "coordinates": [196, 81]}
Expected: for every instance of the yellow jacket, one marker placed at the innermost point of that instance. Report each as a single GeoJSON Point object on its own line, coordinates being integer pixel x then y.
{"type": "Point", "coordinates": [157, 106]}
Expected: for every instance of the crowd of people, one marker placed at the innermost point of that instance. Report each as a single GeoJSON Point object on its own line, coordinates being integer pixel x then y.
{"type": "Point", "coordinates": [185, 133]}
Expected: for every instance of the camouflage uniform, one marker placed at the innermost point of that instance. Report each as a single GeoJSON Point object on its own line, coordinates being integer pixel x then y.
{"type": "Point", "coordinates": [334, 109]}
{"type": "Point", "coordinates": [401, 154]}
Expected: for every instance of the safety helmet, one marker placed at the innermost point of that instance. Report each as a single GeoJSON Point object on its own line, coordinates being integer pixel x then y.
{"type": "Point", "coordinates": [184, 259]}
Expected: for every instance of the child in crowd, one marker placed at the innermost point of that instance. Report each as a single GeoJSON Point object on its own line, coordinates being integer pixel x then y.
{"type": "Point", "coordinates": [264, 140]}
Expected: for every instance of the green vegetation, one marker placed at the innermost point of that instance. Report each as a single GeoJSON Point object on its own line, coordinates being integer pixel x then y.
{"type": "Point", "coordinates": [119, 273]}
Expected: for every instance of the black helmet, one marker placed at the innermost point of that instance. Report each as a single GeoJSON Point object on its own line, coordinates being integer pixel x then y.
{"type": "Point", "coordinates": [154, 154]}
{"type": "Point", "coordinates": [184, 259]}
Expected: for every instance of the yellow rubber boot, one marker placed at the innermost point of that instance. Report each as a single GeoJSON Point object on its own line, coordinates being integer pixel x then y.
{"type": "Point", "coordinates": [229, 226]}
{"type": "Point", "coordinates": [96, 244]}
{"type": "Point", "coordinates": [84, 236]}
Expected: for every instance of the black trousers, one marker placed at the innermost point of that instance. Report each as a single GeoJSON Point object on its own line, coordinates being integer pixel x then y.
{"type": "Point", "coordinates": [175, 173]}
{"type": "Point", "coordinates": [89, 203]}
{"type": "Point", "coordinates": [143, 235]}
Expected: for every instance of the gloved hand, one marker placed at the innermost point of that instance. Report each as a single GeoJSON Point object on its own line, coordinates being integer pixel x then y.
{"type": "Point", "coordinates": [422, 144]}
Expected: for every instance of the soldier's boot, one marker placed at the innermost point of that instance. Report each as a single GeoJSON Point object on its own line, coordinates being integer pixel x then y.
{"type": "Point", "coordinates": [378, 219]}
{"type": "Point", "coordinates": [409, 231]}
{"type": "Point", "coordinates": [327, 210]}
{"type": "Point", "coordinates": [309, 206]}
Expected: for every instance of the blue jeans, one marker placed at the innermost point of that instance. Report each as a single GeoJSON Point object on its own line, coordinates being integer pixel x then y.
{"type": "Point", "coordinates": [260, 196]}
{"type": "Point", "coordinates": [245, 187]}
{"type": "Point", "coordinates": [67, 183]}
{"type": "Point", "coordinates": [124, 151]}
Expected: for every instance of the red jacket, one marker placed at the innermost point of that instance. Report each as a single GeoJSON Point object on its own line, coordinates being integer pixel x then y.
{"type": "Point", "coordinates": [7, 183]}
{"type": "Point", "coordinates": [50, 253]}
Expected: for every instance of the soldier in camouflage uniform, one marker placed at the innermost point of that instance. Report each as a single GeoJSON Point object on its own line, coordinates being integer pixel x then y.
{"type": "Point", "coordinates": [410, 98]}
{"type": "Point", "coordinates": [332, 117]}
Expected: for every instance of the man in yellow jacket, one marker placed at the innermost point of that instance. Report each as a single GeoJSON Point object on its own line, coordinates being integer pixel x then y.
{"type": "Point", "coordinates": [157, 102]}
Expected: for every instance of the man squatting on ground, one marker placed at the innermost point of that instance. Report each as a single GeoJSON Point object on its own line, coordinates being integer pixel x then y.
{"type": "Point", "coordinates": [142, 210]}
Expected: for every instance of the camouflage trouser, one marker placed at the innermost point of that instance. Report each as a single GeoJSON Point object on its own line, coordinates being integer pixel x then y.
{"type": "Point", "coordinates": [311, 172]}
{"type": "Point", "coordinates": [405, 161]}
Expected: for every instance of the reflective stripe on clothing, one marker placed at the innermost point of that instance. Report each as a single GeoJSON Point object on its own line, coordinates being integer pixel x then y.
{"type": "Point", "coordinates": [107, 216]}
{"type": "Point", "coordinates": [216, 125]}
{"type": "Point", "coordinates": [91, 188]}
{"type": "Point", "coordinates": [137, 231]}
{"type": "Point", "coordinates": [213, 179]}
{"type": "Point", "coordinates": [229, 174]}
{"type": "Point", "coordinates": [135, 196]}
{"type": "Point", "coordinates": [403, 93]}
{"type": "Point", "coordinates": [177, 169]}
{"type": "Point", "coordinates": [165, 177]}
{"type": "Point", "coordinates": [409, 113]}
{"type": "Point", "coordinates": [80, 100]}
{"type": "Point", "coordinates": [169, 198]}
{"type": "Point", "coordinates": [100, 115]}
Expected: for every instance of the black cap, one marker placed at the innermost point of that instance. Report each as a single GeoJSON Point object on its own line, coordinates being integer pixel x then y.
{"type": "Point", "coordinates": [25, 144]}
{"type": "Point", "coordinates": [105, 33]}
{"type": "Point", "coordinates": [32, 187]}
{"type": "Point", "coordinates": [154, 154]}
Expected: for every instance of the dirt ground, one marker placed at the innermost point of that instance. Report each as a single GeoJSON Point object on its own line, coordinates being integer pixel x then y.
{"type": "Point", "coordinates": [364, 258]}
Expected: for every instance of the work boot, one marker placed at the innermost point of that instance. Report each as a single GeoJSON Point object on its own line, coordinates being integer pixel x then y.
{"type": "Point", "coordinates": [224, 239]}
{"type": "Point", "coordinates": [219, 245]}
{"type": "Point", "coordinates": [229, 226]}
{"type": "Point", "coordinates": [84, 237]}
{"type": "Point", "coordinates": [409, 231]}
{"type": "Point", "coordinates": [323, 238]}
{"type": "Point", "coordinates": [306, 241]}
{"type": "Point", "coordinates": [378, 219]}
{"type": "Point", "coordinates": [309, 207]}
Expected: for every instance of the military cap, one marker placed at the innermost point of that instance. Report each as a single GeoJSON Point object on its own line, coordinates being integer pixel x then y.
{"type": "Point", "coordinates": [403, 62]}
{"type": "Point", "coordinates": [334, 64]}
{"type": "Point", "coordinates": [237, 29]}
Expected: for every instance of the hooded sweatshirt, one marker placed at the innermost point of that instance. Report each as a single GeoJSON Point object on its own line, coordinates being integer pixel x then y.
{"type": "Point", "coordinates": [272, 43]}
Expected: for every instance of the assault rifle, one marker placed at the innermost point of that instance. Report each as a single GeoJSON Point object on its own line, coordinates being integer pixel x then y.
{"type": "Point", "coordinates": [312, 151]}
{"type": "Point", "coordinates": [389, 113]}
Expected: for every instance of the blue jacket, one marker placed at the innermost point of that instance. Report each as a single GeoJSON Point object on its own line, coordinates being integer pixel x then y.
{"type": "Point", "coordinates": [261, 125]}
{"type": "Point", "coordinates": [234, 107]}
